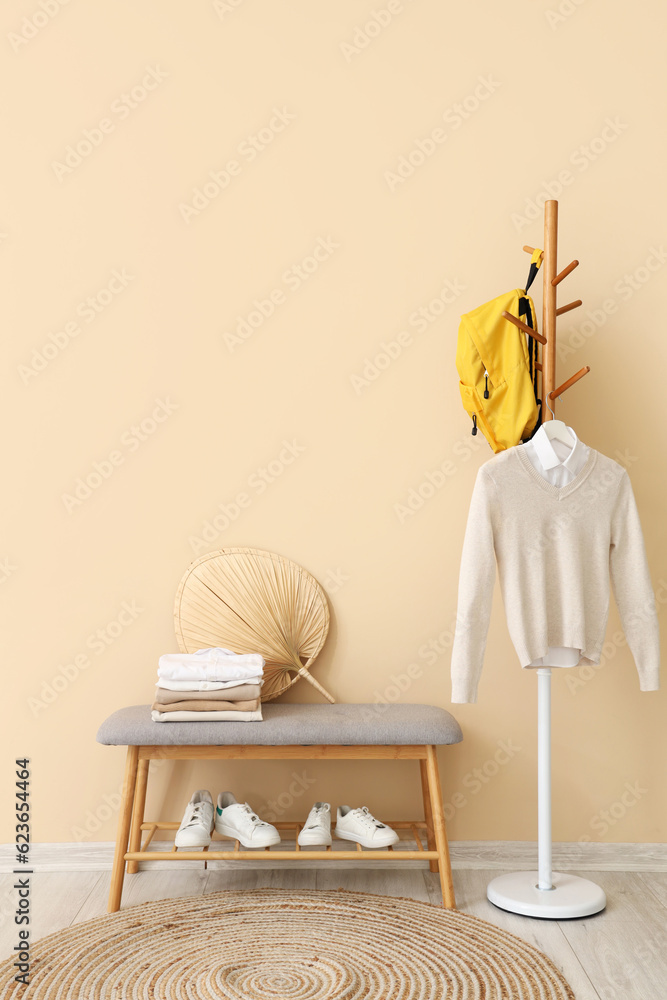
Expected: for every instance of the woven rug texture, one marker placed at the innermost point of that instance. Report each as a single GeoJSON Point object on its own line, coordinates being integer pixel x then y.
{"type": "Point", "coordinates": [274, 944]}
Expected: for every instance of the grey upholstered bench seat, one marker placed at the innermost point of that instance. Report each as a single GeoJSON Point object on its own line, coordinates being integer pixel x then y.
{"type": "Point", "coordinates": [290, 724]}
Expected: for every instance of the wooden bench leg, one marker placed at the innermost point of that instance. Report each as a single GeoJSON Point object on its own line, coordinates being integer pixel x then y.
{"type": "Point", "coordinates": [124, 817]}
{"type": "Point", "coordinates": [428, 814]}
{"type": "Point", "coordinates": [439, 828]}
{"type": "Point", "coordinates": [138, 812]}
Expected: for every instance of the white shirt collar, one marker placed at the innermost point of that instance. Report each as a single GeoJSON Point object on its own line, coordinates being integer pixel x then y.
{"type": "Point", "coordinates": [576, 460]}
{"type": "Point", "coordinates": [544, 450]}
{"type": "Point", "coordinates": [548, 459]}
{"type": "Point", "coordinates": [544, 457]}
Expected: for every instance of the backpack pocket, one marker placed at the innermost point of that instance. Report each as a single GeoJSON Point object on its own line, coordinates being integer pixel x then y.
{"type": "Point", "coordinates": [472, 404]}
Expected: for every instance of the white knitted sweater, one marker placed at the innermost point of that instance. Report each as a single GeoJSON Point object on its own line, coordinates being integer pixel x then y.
{"type": "Point", "coordinates": [556, 548]}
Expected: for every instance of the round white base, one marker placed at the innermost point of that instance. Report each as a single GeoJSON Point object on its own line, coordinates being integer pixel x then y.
{"type": "Point", "coordinates": [571, 896]}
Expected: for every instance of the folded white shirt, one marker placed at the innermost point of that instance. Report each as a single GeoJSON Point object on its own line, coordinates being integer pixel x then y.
{"type": "Point", "coordinates": [210, 665]}
{"type": "Point", "coordinates": [206, 685]}
{"type": "Point", "coordinates": [207, 716]}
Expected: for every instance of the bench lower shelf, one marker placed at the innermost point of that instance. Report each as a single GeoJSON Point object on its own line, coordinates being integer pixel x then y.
{"type": "Point", "coordinates": [130, 850]}
{"type": "Point", "coordinates": [238, 853]}
{"type": "Point", "coordinates": [273, 855]}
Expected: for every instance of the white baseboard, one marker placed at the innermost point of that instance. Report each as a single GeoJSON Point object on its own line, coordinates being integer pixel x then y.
{"type": "Point", "coordinates": [491, 855]}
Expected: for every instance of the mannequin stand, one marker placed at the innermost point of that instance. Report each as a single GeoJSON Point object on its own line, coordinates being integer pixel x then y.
{"type": "Point", "coordinates": [545, 893]}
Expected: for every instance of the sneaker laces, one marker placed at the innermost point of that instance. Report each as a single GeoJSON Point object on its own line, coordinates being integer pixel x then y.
{"type": "Point", "coordinates": [252, 816]}
{"type": "Point", "coordinates": [366, 817]}
{"type": "Point", "coordinates": [195, 814]}
{"type": "Point", "coordinates": [317, 814]}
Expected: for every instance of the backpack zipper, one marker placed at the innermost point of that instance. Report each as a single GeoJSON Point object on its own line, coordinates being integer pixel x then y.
{"type": "Point", "coordinates": [486, 384]}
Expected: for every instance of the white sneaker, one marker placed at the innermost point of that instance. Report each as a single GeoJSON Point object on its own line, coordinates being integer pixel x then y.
{"type": "Point", "coordinates": [238, 821]}
{"type": "Point", "coordinates": [317, 828]}
{"type": "Point", "coordinates": [363, 828]}
{"type": "Point", "coordinates": [197, 822]}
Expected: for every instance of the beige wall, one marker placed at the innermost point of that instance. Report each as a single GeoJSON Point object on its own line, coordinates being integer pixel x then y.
{"type": "Point", "coordinates": [524, 101]}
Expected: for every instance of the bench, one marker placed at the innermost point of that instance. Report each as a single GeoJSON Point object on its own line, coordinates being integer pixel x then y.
{"type": "Point", "coordinates": [294, 732]}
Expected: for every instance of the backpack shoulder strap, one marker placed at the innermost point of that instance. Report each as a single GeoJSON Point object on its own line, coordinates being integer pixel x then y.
{"type": "Point", "coordinates": [535, 263]}
{"type": "Point", "coordinates": [526, 308]}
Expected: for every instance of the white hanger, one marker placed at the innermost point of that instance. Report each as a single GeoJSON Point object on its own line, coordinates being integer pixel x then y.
{"type": "Point", "coordinates": [556, 430]}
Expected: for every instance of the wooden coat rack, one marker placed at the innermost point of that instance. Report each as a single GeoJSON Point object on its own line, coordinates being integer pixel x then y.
{"type": "Point", "coordinates": [545, 893]}
{"type": "Point", "coordinates": [551, 280]}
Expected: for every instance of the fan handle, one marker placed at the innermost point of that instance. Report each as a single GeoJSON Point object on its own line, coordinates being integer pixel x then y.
{"type": "Point", "coordinates": [316, 684]}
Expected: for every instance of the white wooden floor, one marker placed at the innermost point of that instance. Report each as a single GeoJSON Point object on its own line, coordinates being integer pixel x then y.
{"type": "Point", "coordinates": [620, 954]}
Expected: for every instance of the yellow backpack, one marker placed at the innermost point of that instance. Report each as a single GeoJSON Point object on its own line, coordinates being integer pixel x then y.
{"type": "Point", "coordinates": [497, 373]}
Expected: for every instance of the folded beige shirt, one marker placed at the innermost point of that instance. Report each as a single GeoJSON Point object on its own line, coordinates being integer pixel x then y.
{"type": "Point", "coordinates": [244, 692]}
{"type": "Point", "coordinates": [207, 706]}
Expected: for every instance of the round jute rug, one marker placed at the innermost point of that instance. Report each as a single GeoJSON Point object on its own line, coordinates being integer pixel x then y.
{"type": "Point", "coordinates": [273, 944]}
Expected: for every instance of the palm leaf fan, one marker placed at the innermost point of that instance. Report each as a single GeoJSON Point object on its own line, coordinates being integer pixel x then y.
{"type": "Point", "coordinates": [253, 601]}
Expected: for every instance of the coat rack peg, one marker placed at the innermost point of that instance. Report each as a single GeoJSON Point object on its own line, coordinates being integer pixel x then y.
{"type": "Point", "coordinates": [566, 385]}
{"type": "Point", "coordinates": [523, 326]}
{"type": "Point", "coordinates": [564, 273]}
{"type": "Point", "coordinates": [531, 250]}
{"type": "Point", "coordinates": [570, 305]}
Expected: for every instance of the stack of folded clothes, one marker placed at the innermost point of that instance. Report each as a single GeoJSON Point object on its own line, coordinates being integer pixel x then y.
{"type": "Point", "coordinates": [211, 685]}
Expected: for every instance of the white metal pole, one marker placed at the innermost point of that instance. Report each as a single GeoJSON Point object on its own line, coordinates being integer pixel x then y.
{"type": "Point", "coordinates": [542, 893]}
{"type": "Point", "coordinates": [545, 880]}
